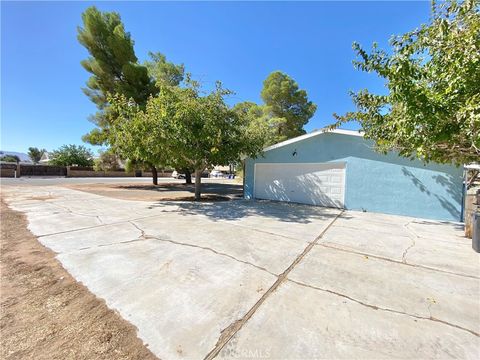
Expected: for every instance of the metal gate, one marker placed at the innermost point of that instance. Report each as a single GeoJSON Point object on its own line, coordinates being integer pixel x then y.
{"type": "Point", "coordinates": [42, 170]}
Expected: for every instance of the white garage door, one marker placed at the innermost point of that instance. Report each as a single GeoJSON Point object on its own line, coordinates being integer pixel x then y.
{"type": "Point", "coordinates": [307, 183]}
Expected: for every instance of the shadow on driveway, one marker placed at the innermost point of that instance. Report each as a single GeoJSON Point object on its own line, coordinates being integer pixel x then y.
{"type": "Point", "coordinates": [233, 210]}
{"type": "Point", "coordinates": [229, 189]}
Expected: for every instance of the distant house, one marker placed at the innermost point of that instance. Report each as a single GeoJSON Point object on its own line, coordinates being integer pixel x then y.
{"type": "Point", "coordinates": [341, 169]}
{"type": "Point", "coordinates": [24, 158]}
{"type": "Point", "coordinates": [45, 158]}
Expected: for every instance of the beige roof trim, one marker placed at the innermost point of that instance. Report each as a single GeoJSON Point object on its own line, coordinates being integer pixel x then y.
{"type": "Point", "coordinates": [312, 134]}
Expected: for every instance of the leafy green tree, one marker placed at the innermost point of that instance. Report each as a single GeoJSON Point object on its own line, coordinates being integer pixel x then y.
{"type": "Point", "coordinates": [113, 65]}
{"type": "Point", "coordinates": [137, 137]}
{"type": "Point", "coordinates": [107, 161]}
{"type": "Point", "coordinates": [35, 154]}
{"type": "Point", "coordinates": [288, 106]}
{"type": "Point", "coordinates": [115, 70]}
{"type": "Point", "coordinates": [205, 131]}
{"type": "Point", "coordinates": [69, 155]}
{"type": "Point", "coordinates": [134, 165]}
{"type": "Point", "coordinates": [164, 72]}
{"type": "Point", "coordinates": [432, 109]}
{"type": "Point", "coordinates": [10, 158]}
{"type": "Point", "coordinates": [180, 128]}
{"type": "Point", "coordinates": [259, 124]}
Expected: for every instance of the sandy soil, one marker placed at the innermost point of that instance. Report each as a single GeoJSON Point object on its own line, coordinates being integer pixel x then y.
{"type": "Point", "coordinates": [45, 313]}
{"type": "Point", "coordinates": [162, 192]}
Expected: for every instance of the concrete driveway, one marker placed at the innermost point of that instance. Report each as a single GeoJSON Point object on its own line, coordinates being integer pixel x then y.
{"type": "Point", "coordinates": [266, 280]}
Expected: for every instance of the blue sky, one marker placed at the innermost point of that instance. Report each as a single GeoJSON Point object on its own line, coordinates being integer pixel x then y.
{"type": "Point", "coordinates": [239, 43]}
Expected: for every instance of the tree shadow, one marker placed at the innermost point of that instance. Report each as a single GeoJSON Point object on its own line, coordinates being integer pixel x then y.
{"type": "Point", "coordinates": [233, 190]}
{"type": "Point", "coordinates": [239, 209]}
{"type": "Point", "coordinates": [308, 188]}
{"type": "Point", "coordinates": [445, 180]}
{"type": "Point", "coordinates": [455, 226]}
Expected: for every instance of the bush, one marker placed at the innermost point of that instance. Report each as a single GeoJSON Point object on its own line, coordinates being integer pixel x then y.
{"type": "Point", "coordinates": [69, 155]}
{"type": "Point", "coordinates": [107, 161]}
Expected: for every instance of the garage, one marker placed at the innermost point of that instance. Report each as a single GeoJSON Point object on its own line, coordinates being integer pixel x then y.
{"type": "Point", "coordinates": [341, 169]}
{"type": "Point", "coordinates": [320, 184]}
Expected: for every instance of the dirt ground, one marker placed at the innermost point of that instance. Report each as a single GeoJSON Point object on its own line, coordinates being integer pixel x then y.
{"type": "Point", "coordinates": [46, 314]}
{"type": "Point", "coordinates": [163, 191]}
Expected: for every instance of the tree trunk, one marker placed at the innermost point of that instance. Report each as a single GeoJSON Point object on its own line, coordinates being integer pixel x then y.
{"type": "Point", "coordinates": [154, 175]}
{"type": "Point", "coordinates": [198, 184]}
{"type": "Point", "coordinates": [188, 176]}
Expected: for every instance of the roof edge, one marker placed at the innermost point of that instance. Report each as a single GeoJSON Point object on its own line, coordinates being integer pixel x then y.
{"type": "Point", "coordinates": [312, 134]}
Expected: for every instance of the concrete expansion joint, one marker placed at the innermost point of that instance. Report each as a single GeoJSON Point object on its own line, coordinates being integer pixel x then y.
{"type": "Point", "coordinates": [230, 331]}
{"type": "Point", "coordinates": [375, 307]}
{"type": "Point", "coordinates": [397, 262]}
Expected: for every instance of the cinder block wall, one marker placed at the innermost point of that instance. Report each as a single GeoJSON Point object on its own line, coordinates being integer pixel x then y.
{"type": "Point", "coordinates": [91, 173]}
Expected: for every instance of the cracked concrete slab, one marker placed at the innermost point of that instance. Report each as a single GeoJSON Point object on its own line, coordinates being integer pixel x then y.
{"type": "Point", "coordinates": [373, 223]}
{"type": "Point", "coordinates": [180, 298]}
{"type": "Point", "coordinates": [191, 275]}
{"type": "Point", "coordinates": [35, 206]}
{"type": "Point", "coordinates": [91, 237]}
{"type": "Point", "coordinates": [46, 224]}
{"type": "Point", "coordinates": [284, 219]}
{"type": "Point", "coordinates": [263, 249]}
{"type": "Point", "coordinates": [452, 257]}
{"type": "Point", "coordinates": [365, 241]}
{"type": "Point", "coordinates": [438, 230]}
{"type": "Point", "coordinates": [416, 242]}
{"type": "Point", "coordinates": [299, 322]}
{"type": "Point", "coordinates": [418, 291]}
{"type": "Point", "coordinates": [112, 210]}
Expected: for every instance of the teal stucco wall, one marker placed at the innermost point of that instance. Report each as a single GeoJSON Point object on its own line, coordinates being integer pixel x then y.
{"type": "Point", "coordinates": [375, 182]}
